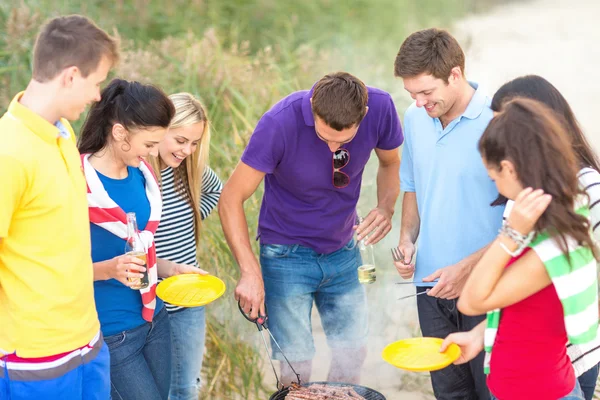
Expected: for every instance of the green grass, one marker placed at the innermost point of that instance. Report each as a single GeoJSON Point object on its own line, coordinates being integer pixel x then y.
{"type": "Point", "coordinates": [239, 57]}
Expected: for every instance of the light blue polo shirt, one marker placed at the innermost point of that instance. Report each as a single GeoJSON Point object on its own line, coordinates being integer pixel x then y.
{"type": "Point", "coordinates": [454, 192]}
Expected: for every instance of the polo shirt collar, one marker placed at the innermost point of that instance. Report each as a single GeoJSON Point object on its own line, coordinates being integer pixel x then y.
{"type": "Point", "coordinates": [38, 125]}
{"type": "Point", "coordinates": [477, 104]}
{"type": "Point", "coordinates": [307, 113]}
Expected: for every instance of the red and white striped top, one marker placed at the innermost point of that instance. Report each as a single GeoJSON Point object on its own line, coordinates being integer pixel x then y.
{"type": "Point", "coordinates": [105, 213]}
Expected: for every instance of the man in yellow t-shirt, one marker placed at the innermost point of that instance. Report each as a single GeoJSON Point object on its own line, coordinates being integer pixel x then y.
{"type": "Point", "coordinates": [50, 341]}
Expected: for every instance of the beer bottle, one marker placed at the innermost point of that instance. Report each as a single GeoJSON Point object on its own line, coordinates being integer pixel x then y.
{"type": "Point", "coordinates": [366, 270]}
{"type": "Point", "coordinates": [135, 247]}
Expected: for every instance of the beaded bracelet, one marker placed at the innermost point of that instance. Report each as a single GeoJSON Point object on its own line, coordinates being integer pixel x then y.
{"type": "Point", "coordinates": [521, 240]}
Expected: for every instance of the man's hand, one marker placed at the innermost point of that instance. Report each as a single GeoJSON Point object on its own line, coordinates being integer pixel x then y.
{"type": "Point", "coordinates": [470, 343]}
{"type": "Point", "coordinates": [250, 293]}
{"type": "Point", "coordinates": [377, 223]}
{"type": "Point", "coordinates": [405, 267]}
{"type": "Point", "coordinates": [451, 281]}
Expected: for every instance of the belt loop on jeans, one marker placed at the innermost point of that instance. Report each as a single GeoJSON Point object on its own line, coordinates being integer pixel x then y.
{"type": "Point", "coordinates": [294, 248]}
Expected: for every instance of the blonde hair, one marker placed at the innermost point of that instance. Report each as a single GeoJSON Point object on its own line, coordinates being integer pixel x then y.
{"type": "Point", "coordinates": [188, 175]}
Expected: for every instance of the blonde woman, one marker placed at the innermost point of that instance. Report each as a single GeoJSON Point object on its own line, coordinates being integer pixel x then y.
{"type": "Point", "coordinates": [190, 191]}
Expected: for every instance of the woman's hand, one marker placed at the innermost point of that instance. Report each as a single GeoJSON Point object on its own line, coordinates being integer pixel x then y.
{"type": "Point", "coordinates": [168, 268]}
{"type": "Point", "coordinates": [126, 269]}
{"type": "Point", "coordinates": [179, 269]}
{"type": "Point", "coordinates": [470, 343]}
{"type": "Point", "coordinates": [528, 208]}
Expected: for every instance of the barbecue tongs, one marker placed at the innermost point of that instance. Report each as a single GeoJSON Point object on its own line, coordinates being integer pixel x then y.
{"type": "Point", "coordinates": [261, 324]}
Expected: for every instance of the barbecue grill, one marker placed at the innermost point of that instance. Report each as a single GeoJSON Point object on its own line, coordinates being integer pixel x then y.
{"type": "Point", "coordinates": [367, 393]}
{"type": "Point", "coordinates": [262, 325]}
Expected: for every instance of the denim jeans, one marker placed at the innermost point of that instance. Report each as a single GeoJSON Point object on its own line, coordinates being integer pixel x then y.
{"type": "Point", "coordinates": [439, 318]}
{"type": "Point", "coordinates": [296, 276]}
{"type": "Point", "coordinates": [140, 361]}
{"type": "Point", "coordinates": [187, 345]}
{"type": "Point", "coordinates": [587, 382]}
{"type": "Point", "coordinates": [576, 394]}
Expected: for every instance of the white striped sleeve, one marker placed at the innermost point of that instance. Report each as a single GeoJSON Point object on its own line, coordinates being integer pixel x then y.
{"type": "Point", "coordinates": [589, 180]}
{"type": "Point", "coordinates": [211, 192]}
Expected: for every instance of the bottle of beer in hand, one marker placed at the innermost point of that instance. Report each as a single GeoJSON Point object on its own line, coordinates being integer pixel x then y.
{"type": "Point", "coordinates": [135, 247]}
{"type": "Point", "coordinates": [366, 271]}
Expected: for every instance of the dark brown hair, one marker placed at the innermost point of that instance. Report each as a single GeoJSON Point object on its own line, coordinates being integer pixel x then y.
{"type": "Point", "coordinates": [340, 100]}
{"type": "Point", "coordinates": [431, 51]}
{"type": "Point", "coordinates": [529, 134]}
{"type": "Point", "coordinates": [131, 104]}
{"type": "Point", "coordinates": [537, 88]}
{"type": "Point", "coordinates": [71, 41]}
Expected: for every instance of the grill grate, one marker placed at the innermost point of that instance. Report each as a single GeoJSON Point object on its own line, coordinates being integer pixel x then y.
{"type": "Point", "coordinates": [367, 393]}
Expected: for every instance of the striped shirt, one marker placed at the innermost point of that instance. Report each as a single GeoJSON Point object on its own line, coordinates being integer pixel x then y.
{"type": "Point", "coordinates": [586, 356]}
{"type": "Point", "coordinates": [175, 239]}
{"type": "Point", "coordinates": [576, 285]}
{"type": "Point", "coordinates": [589, 180]}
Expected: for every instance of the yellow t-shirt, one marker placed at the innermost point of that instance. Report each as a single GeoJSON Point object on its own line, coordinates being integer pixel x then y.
{"type": "Point", "coordinates": [46, 275]}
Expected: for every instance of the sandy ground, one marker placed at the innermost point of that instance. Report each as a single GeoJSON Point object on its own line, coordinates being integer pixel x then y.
{"type": "Point", "coordinates": [557, 39]}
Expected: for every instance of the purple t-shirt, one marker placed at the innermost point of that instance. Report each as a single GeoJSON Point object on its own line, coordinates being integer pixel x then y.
{"type": "Point", "coordinates": [300, 204]}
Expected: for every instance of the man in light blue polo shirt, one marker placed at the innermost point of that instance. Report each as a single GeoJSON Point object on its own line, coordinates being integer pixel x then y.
{"type": "Point", "coordinates": [447, 194]}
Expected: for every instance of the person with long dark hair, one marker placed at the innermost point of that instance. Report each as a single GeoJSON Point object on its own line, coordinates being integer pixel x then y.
{"type": "Point", "coordinates": [537, 281]}
{"type": "Point", "coordinates": [120, 132]}
{"type": "Point", "coordinates": [585, 358]}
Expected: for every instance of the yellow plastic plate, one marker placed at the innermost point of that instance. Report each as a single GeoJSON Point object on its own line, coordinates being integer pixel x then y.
{"type": "Point", "coordinates": [420, 354]}
{"type": "Point", "coordinates": [190, 290]}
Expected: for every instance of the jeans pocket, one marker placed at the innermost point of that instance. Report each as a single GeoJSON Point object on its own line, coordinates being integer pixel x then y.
{"type": "Point", "coordinates": [275, 250]}
{"type": "Point", "coordinates": [116, 340]}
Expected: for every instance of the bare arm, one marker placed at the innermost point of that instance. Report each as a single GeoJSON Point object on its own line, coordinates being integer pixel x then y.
{"type": "Point", "coordinates": [409, 232]}
{"type": "Point", "coordinates": [411, 221]}
{"type": "Point", "coordinates": [388, 179]}
{"type": "Point", "coordinates": [378, 222]}
{"type": "Point", "coordinates": [241, 185]}
{"type": "Point", "coordinates": [492, 286]}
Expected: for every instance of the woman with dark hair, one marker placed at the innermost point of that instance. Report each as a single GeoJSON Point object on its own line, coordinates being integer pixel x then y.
{"type": "Point", "coordinates": [537, 280]}
{"type": "Point", "coordinates": [586, 358]}
{"type": "Point", "coordinates": [537, 88]}
{"type": "Point", "coordinates": [120, 132]}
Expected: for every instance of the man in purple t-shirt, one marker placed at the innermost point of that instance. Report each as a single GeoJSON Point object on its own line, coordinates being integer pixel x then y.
{"type": "Point", "coordinates": [311, 148]}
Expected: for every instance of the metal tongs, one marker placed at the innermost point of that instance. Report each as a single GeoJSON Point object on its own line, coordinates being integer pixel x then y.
{"type": "Point", "coordinates": [261, 324]}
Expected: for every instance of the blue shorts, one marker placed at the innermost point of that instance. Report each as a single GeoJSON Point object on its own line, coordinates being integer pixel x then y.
{"type": "Point", "coordinates": [83, 377]}
{"type": "Point", "coordinates": [296, 276]}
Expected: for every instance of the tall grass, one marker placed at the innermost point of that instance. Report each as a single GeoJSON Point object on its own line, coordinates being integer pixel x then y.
{"type": "Point", "coordinates": [239, 57]}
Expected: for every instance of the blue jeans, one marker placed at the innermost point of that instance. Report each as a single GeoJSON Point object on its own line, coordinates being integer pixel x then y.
{"type": "Point", "coordinates": [187, 345]}
{"type": "Point", "coordinates": [576, 394]}
{"type": "Point", "coordinates": [439, 318]}
{"type": "Point", "coordinates": [140, 361]}
{"type": "Point", "coordinates": [295, 277]}
{"type": "Point", "coordinates": [88, 379]}
{"type": "Point", "coordinates": [587, 381]}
